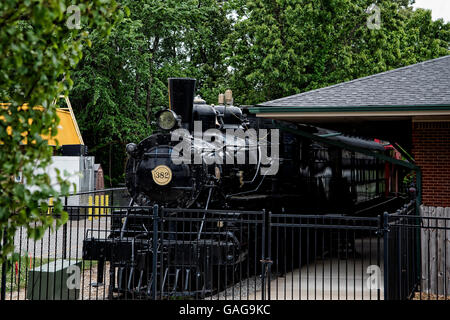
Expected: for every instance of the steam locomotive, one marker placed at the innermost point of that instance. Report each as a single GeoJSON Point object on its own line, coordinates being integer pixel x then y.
{"type": "Point", "coordinates": [205, 160]}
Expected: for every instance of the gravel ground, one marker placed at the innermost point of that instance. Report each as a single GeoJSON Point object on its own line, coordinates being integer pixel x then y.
{"type": "Point", "coordinates": [243, 290]}
{"type": "Point", "coordinates": [50, 247]}
{"type": "Point", "coordinates": [427, 296]}
{"type": "Point", "coordinates": [240, 291]}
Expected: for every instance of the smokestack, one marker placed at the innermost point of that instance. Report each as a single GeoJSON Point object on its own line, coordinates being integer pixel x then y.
{"type": "Point", "coordinates": [221, 99]}
{"type": "Point", "coordinates": [229, 97]}
{"type": "Point", "coordinates": [181, 99]}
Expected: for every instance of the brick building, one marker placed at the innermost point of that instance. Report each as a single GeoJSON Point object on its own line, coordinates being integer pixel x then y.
{"type": "Point", "coordinates": [431, 150]}
{"type": "Point", "coordinates": [409, 107]}
{"type": "Point", "coordinates": [99, 178]}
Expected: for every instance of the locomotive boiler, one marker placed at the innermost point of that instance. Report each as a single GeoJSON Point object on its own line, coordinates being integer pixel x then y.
{"type": "Point", "coordinates": [204, 161]}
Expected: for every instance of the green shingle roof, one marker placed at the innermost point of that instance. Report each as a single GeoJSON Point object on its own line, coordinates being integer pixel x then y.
{"type": "Point", "coordinates": [422, 86]}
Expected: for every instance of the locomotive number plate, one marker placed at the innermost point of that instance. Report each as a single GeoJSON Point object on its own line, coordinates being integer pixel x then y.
{"type": "Point", "coordinates": [162, 175]}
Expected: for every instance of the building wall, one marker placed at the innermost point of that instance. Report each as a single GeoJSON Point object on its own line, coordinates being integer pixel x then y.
{"type": "Point", "coordinates": [79, 168]}
{"type": "Point", "coordinates": [99, 179]}
{"type": "Point", "coordinates": [431, 150]}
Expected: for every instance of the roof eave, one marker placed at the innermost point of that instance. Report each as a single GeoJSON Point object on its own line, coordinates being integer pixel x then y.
{"type": "Point", "coordinates": [318, 109]}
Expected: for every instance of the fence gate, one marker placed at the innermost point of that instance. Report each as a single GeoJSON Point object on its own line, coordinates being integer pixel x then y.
{"type": "Point", "coordinates": [325, 257]}
{"type": "Point", "coordinates": [418, 254]}
{"type": "Point", "coordinates": [402, 259]}
{"type": "Point", "coordinates": [210, 254]}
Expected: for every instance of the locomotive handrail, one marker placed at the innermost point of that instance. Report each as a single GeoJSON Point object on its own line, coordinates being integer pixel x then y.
{"type": "Point", "coordinates": [214, 211]}
{"type": "Point", "coordinates": [377, 205]}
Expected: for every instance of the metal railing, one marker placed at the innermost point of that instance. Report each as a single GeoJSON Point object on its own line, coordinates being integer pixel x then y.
{"type": "Point", "coordinates": [122, 252]}
{"type": "Point", "coordinates": [329, 257]}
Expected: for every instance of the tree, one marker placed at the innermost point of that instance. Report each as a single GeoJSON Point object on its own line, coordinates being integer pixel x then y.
{"type": "Point", "coordinates": [41, 41]}
{"type": "Point", "coordinates": [121, 84]}
{"type": "Point", "coordinates": [261, 49]}
{"type": "Point", "coordinates": [108, 94]}
{"type": "Point", "coordinates": [206, 52]}
{"type": "Point", "coordinates": [283, 47]}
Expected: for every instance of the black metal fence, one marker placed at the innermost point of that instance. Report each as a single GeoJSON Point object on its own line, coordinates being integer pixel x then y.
{"type": "Point", "coordinates": [325, 257]}
{"type": "Point", "coordinates": [417, 257]}
{"type": "Point", "coordinates": [211, 254]}
{"type": "Point", "coordinates": [110, 251]}
{"type": "Point", "coordinates": [402, 258]}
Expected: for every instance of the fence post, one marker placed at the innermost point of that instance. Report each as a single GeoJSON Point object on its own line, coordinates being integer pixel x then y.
{"type": "Point", "coordinates": [418, 251]}
{"type": "Point", "coordinates": [65, 232]}
{"type": "Point", "coordinates": [155, 249]}
{"type": "Point", "coordinates": [112, 199]}
{"type": "Point", "coordinates": [379, 233]}
{"type": "Point", "coordinates": [3, 284]}
{"type": "Point", "coordinates": [386, 254]}
{"type": "Point", "coordinates": [263, 254]}
{"type": "Point", "coordinates": [269, 253]}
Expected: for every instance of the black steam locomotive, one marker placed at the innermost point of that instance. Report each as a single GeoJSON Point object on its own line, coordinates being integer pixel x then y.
{"type": "Point", "coordinates": [208, 160]}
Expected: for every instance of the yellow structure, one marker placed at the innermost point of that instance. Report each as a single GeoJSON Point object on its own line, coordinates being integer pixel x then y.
{"type": "Point", "coordinates": [100, 203]}
{"type": "Point", "coordinates": [68, 131]}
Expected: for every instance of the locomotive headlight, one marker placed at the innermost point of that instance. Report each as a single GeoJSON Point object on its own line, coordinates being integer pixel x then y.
{"type": "Point", "coordinates": [167, 119]}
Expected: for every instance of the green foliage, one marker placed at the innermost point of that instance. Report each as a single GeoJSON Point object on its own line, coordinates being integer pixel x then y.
{"type": "Point", "coordinates": [121, 84]}
{"type": "Point", "coordinates": [283, 47]}
{"type": "Point", "coordinates": [38, 52]}
{"type": "Point", "coordinates": [409, 179]}
{"type": "Point", "coordinates": [261, 49]}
